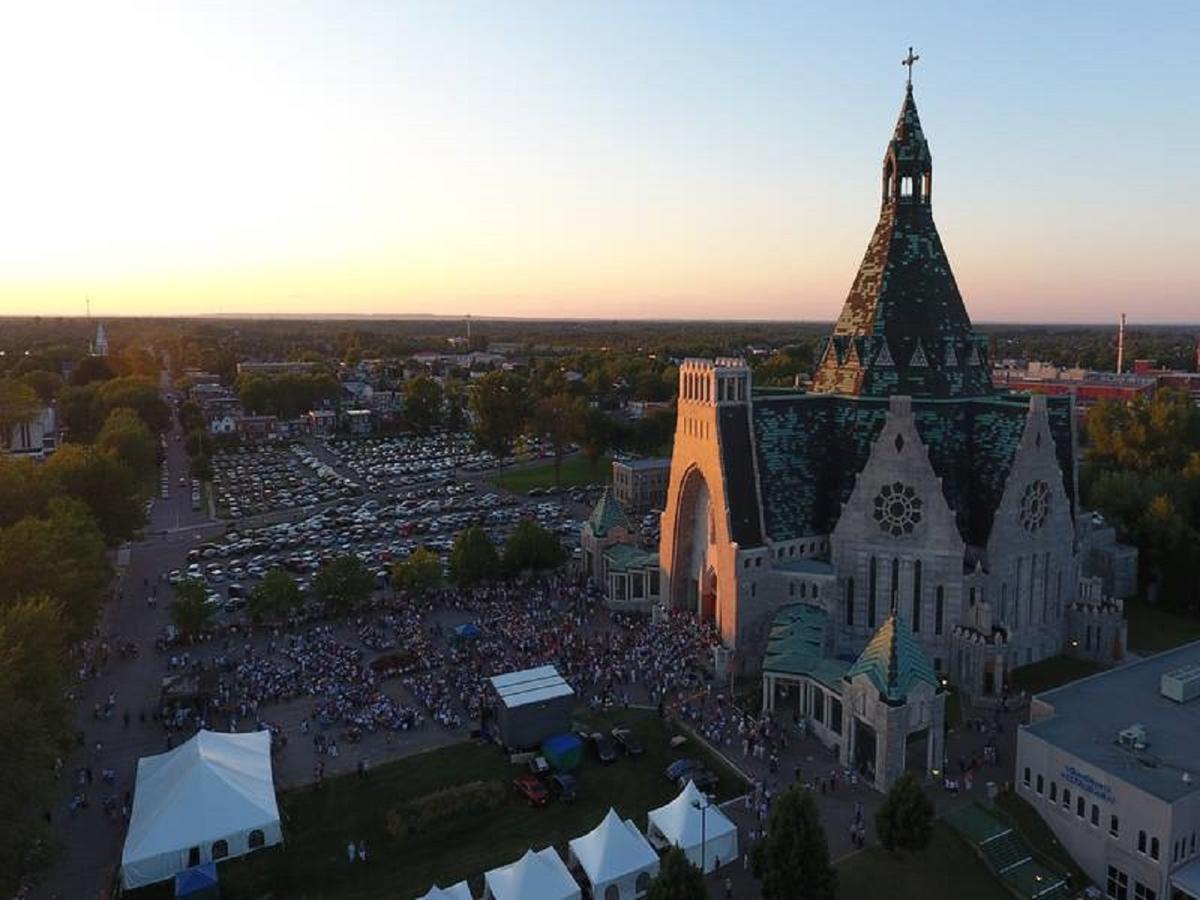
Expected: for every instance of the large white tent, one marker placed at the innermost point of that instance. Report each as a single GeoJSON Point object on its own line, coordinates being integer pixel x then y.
{"type": "Point", "coordinates": [210, 798]}
{"type": "Point", "coordinates": [538, 875]}
{"type": "Point", "coordinates": [616, 859]}
{"type": "Point", "coordinates": [689, 821]}
{"type": "Point", "coordinates": [458, 891]}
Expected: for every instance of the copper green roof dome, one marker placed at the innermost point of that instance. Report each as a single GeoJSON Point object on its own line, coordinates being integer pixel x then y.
{"type": "Point", "coordinates": [894, 661]}
{"type": "Point", "coordinates": [607, 515]}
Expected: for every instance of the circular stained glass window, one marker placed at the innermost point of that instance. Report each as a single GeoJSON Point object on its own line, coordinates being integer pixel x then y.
{"type": "Point", "coordinates": [1035, 505]}
{"type": "Point", "coordinates": [897, 509]}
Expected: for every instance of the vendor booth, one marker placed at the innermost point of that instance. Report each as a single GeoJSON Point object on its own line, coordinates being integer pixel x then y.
{"type": "Point", "coordinates": [538, 875]}
{"type": "Point", "coordinates": [616, 859]}
{"type": "Point", "coordinates": [209, 799]}
{"type": "Point", "coordinates": [697, 826]}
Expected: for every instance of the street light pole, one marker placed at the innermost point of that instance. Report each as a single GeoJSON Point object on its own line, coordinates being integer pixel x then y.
{"type": "Point", "coordinates": [703, 807]}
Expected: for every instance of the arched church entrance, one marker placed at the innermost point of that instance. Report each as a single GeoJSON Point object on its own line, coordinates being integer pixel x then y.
{"type": "Point", "coordinates": [694, 578]}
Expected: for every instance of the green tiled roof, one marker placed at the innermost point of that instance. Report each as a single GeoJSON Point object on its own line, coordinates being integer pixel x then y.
{"type": "Point", "coordinates": [607, 515]}
{"type": "Point", "coordinates": [623, 557]}
{"type": "Point", "coordinates": [796, 645]}
{"type": "Point", "coordinates": [894, 661]}
{"type": "Point", "coordinates": [904, 328]}
{"type": "Point", "coordinates": [811, 447]}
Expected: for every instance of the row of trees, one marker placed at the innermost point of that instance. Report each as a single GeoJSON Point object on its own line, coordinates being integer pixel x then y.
{"type": "Point", "coordinates": [1142, 471]}
{"type": "Point", "coordinates": [287, 396]}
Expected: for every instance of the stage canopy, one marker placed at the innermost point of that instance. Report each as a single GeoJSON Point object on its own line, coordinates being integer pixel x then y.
{"type": "Point", "coordinates": [679, 823]}
{"type": "Point", "coordinates": [538, 875]}
{"type": "Point", "coordinates": [615, 855]}
{"type": "Point", "coordinates": [458, 891]}
{"type": "Point", "coordinates": [208, 799]}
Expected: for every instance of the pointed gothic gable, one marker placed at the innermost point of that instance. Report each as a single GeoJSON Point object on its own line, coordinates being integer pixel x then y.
{"type": "Point", "coordinates": [885, 355]}
{"type": "Point", "coordinates": [894, 662]}
{"type": "Point", "coordinates": [904, 292]}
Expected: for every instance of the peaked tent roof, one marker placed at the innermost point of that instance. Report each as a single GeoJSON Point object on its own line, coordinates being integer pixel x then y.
{"type": "Point", "coordinates": [608, 514]}
{"type": "Point", "coordinates": [894, 661]}
{"type": "Point", "coordinates": [458, 891]}
{"type": "Point", "coordinates": [208, 788]}
{"type": "Point", "coordinates": [538, 875]}
{"type": "Point", "coordinates": [613, 849]}
{"type": "Point", "coordinates": [904, 295]}
{"type": "Point", "coordinates": [680, 821]}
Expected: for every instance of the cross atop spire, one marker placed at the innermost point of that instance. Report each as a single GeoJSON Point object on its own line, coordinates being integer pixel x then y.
{"type": "Point", "coordinates": [909, 61]}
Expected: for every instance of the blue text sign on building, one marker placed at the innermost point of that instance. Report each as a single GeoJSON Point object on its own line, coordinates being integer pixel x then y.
{"type": "Point", "coordinates": [1087, 784]}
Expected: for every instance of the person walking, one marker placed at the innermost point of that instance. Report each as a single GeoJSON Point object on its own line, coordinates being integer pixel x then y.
{"type": "Point", "coordinates": [351, 851]}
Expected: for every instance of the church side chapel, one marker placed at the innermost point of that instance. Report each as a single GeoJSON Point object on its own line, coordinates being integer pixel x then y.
{"type": "Point", "coordinates": [900, 525]}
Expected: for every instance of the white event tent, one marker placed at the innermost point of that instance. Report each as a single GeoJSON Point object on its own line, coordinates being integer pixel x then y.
{"type": "Point", "coordinates": [538, 875]}
{"type": "Point", "coordinates": [458, 891]}
{"type": "Point", "coordinates": [208, 799]}
{"type": "Point", "coordinates": [616, 859]}
{"type": "Point", "coordinates": [689, 821]}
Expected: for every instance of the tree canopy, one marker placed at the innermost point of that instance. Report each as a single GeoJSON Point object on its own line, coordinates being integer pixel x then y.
{"type": "Point", "coordinates": [423, 404]}
{"type": "Point", "coordinates": [792, 861]}
{"type": "Point", "coordinates": [474, 558]}
{"type": "Point", "coordinates": [126, 439]}
{"type": "Point", "coordinates": [275, 597]}
{"type": "Point", "coordinates": [19, 403]}
{"type": "Point", "coordinates": [498, 403]}
{"type": "Point", "coordinates": [418, 572]}
{"type": "Point", "coordinates": [343, 584]}
{"type": "Point", "coordinates": [677, 879]}
{"type": "Point", "coordinates": [531, 547]}
{"type": "Point", "coordinates": [904, 821]}
{"type": "Point", "coordinates": [190, 610]}
{"type": "Point", "coordinates": [107, 486]}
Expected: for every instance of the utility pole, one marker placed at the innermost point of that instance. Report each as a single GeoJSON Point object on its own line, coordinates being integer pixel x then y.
{"type": "Point", "coordinates": [1121, 345]}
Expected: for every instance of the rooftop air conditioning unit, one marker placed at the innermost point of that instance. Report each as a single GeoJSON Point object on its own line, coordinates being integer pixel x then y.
{"type": "Point", "coordinates": [1182, 684]}
{"type": "Point", "coordinates": [1133, 737]}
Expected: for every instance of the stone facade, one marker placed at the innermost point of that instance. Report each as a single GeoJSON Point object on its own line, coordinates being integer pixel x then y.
{"type": "Point", "coordinates": [904, 483]}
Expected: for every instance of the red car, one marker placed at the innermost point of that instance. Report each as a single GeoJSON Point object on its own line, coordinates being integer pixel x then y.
{"type": "Point", "coordinates": [529, 787]}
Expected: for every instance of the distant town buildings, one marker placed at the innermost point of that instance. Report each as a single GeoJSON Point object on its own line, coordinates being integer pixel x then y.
{"type": "Point", "coordinates": [641, 484]}
{"type": "Point", "coordinates": [35, 439]}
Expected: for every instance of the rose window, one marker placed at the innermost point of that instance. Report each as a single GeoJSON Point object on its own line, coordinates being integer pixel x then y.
{"type": "Point", "coordinates": [897, 509]}
{"type": "Point", "coordinates": [1035, 505]}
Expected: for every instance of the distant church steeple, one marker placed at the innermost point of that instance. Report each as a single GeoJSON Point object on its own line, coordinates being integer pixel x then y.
{"type": "Point", "coordinates": [904, 328]}
{"type": "Point", "coordinates": [100, 345]}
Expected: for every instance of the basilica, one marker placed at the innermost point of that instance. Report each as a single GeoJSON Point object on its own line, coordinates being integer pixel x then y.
{"type": "Point", "coordinates": [902, 520]}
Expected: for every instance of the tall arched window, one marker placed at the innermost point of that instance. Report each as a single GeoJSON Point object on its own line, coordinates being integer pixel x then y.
{"type": "Point", "coordinates": [894, 598]}
{"type": "Point", "coordinates": [256, 839]}
{"type": "Point", "coordinates": [850, 601]}
{"type": "Point", "coordinates": [220, 849]}
{"type": "Point", "coordinates": [939, 610]}
{"type": "Point", "coordinates": [916, 599]}
{"type": "Point", "coordinates": [871, 594]}
{"type": "Point", "coordinates": [643, 884]}
{"type": "Point", "coordinates": [1045, 587]}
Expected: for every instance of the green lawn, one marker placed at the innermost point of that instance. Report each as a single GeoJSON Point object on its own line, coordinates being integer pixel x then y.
{"type": "Point", "coordinates": [1052, 672]}
{"type": "Point", "coordinates": [945, 870]}
{"type": "Point", "coordinates": [575, 470]}
{"type": "Point", "coordinates": [318, 823]}
{"type": "Point", "coordinates": [1152, 629]}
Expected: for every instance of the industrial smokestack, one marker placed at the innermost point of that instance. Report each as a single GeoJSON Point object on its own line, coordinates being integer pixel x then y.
{"type": "Point", "coordinates": [1121, 345]}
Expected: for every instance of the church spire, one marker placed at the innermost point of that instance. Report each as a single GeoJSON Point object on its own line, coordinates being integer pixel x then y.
{"type": "Point", "coordinates": [904, 314]}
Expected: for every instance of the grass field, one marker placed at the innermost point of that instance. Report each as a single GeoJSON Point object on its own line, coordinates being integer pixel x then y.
{"type": "Point", "coordinates": [317, 824]}
{"type": "Point", "coordinates": [1052, 672]}
{"type": "Point", "coordinates": [945, 870]}
{"type": "Point", "coordinates": [1152, 630]}
{"type": "Point", "coordinates": [575, 470]}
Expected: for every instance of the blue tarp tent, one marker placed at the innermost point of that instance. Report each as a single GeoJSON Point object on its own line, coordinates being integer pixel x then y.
{"type": "Point", "coordinates": [469, 630]}
{"type": "Point", "coordinates": [198, 882]}
{"type": "Point", "coordinates": [563, 751]}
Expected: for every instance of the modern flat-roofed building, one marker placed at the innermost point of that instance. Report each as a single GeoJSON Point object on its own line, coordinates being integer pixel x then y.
{"type": "Point", "coordinates": [531, 705]}
{"type": "Point", "coordinates": [641, 484]}
{"type": "Point", "coordinates": [1112, 764]}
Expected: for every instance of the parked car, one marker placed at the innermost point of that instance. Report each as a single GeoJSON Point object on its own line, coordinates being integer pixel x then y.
{"type": "Point", "coordinates": [681, 767]}
{"type": "Point", "coordinates": [605, 751]}
{"type": "Point", "coordinates": [532, 789]}
{"type": "Point", "coordinates": [564, 787]}
{"type": "Point", "coordinates": [628, 741]}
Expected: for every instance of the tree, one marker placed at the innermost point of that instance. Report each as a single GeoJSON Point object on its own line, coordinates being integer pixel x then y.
{"type": "Point", "coordinates": [139, 394]}
{"type": "Point", "coordinates": [420, 571]}
{"type": "Point", "coordinates": [531, 547]}
{"type": "Point", "coordinates": [126, 439]}
{"type": "Point", "coordinates": [343, 584]}
{"type": "Point", "coordinates": [92, 369]}
{"type": "Point", "coordinates": [1156, 433]}
{"type": "Point", "coordinates": [275, 597]}
{"type": "Point", "coordinates": [677, 879]}
{"type": "Point", "coordinates": [552, 417]}
{"type": "Point", "coordinates": [34, 721]}
{"type": "Point", "coordinates": [107, 486]}
{"type": "Point", "coordinates": [60, 554]}
{"type": "Point", "coordinates": [904, 820]}
{"type": "Point", "coordinates": [456, 405]}
{"type": "Point", "coordinates": [498, 405]}
{"type": "Point", "coordinates": [190, 610]}
{"type": "Point", "coordinates": [19, 404]}
{"type": "Point", "coordinates": [594, 431]}
{"type": "Point", "coordinates": [423, 399]}
{"type": "Point", "coordinates": [46, 384]}
{"type": "Point", "coordinates": [22, 489]}
{"type": "Point", "coordinates": [792, 861]}
{"type": "Point", "coordinates": [80, 412]}
{"type": "Point", "coordinates": [474, 557]}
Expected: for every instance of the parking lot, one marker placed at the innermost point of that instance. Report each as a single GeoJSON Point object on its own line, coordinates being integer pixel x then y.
{"type": "Point", "coordinates": [255, 479]}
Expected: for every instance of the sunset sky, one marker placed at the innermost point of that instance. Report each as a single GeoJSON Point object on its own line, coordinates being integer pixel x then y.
{"type": "Point", "coordinates": [605, 159]}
